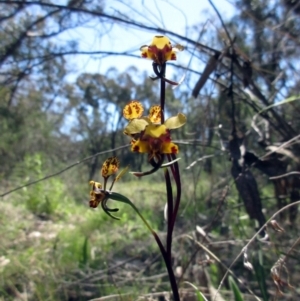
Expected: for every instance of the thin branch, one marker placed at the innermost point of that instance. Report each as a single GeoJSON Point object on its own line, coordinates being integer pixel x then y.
{"type": "Point", "coordinates": [63, 170]}
{"type": "Point", "coordinates": [285, 175]}
{"type": "Point", "coordinates": [221, 20]}
{"type": "Point", "coordinates": [10, 50]}
{"type": "Point", "coordinates": [216, 258]}
{"type": "Point", "coordinates": [116, 19]}
{"type": "Point", "coordinates": [283, 145]}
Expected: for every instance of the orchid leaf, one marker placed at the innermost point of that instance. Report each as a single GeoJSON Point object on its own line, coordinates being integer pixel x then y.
{"type": "Point", "coordinates": [112, 216]}
{"type": "Point", "coordinates": [109, 210]}
{"type": "Point", "coordinates": [123, 199]}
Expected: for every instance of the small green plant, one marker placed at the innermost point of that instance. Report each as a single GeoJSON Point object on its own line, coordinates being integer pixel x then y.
{"type": "Point", "coordinates": [44, 198]}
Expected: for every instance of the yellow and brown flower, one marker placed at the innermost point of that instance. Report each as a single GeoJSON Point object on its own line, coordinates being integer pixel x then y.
{"type": "Point", "coordinates": [98, 194]}
{"type": "Point", "coordinates": [160, 50]}
{"type": "Point", "coordinates": [154, 137]}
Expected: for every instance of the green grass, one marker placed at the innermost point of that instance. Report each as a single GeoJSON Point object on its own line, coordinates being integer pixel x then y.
{"type": "Point", "coordinates": [54, 247]}
{"type": "Point", "coordinates": [47, 238]}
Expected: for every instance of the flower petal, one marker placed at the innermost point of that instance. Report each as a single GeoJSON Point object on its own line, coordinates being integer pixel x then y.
{"type": "Point", "coordinates": [155, 114]}
{"type": "Point", "coordinates": [170, 55]}
{"type": "Point", "coordinates": [160, 50]}
{"type": "Point", "coordinates": [169, 148]}
{"type": "Point", "coordinates": [96, 186]}
{"type": "Point", "coordinates": [96, 195]}
{"type": "Point", "coordinates": [161, 42]}
{"type": "Point", "coordinates": [132, 110]}
{"type": "Point", "coordinates": [96, 199]}
{"type": "Point", "coordinates": [110, 167]}
{"type": "Point", "coordinates": [175, 121]}
{"type": "Point", "coordinates": [155, 131]}
{"type": "Point", "coordinates": [140, 146]}
{"type": "Point", "coordinates": [135, 126]}
{"type": "Point", "coordinates": [145, 53]}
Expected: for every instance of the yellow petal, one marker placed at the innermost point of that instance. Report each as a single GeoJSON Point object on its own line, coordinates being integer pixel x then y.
{"type": "Point", "coordinates": [110, 166]}
{"type": "Point", "coordinates": [133, 110]}
{"type": "Point", "coordinates": [175, 121]}
{"type": "Point", "coordinates": [135, 126]}
{"type": "Point", "coordinates": [169, 148]}
{"type": "Point", "coordinates": [140, 146]}
{"type": "Point", "coordinates": [145, 53]}
{"type": "Point", "coordinates": [170, 55]}
{"type": "Point", "coordinates": [155, 131]}
{"type": "Point", "coordinates": [161, 41]}
{"type": "Point", "coordinates": [160, 50]}
{"type": "Point", "coordinates": [96, 186]}
{"type": "Point", "coordinates": [155, 114]}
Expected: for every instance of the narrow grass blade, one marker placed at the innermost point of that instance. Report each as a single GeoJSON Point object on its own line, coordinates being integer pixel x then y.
{"type": "Point", "coordinates": [289, 99]}
{"type": "Point", "coordinates": [261, 277]}
{"type": "Point", "coordinates": [199, 295]}
{"type": "Point", "coordinates": [236, 291]}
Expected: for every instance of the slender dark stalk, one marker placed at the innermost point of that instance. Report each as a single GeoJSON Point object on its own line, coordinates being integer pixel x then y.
{"type": "Point", "coordinates": [176, 175]}
{"type": "Point", "coordinates": [169, 213]}
{"type": "Point", "coordinates": [163, 252]}
{"type": "Point", "coordinates": [167, 253]}
{"type": "Point", "coordinates": [156, 166]}
{"type": "Point", "coordinates": [168, 263]}
{"type": "Point", "coordinates": [162, 93]}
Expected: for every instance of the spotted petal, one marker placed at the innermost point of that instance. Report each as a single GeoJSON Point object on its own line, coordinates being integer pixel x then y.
{"type": "Point", "coordinates": [110, 167]}
{"type": "Point", "coordinates": [96, 199]}
{"type": "Point", "coordinates": [132, 110]}
{"type": "Point", "coordinates": [155, 114]}
{"type": "Point", "coordinates": [96, 195]}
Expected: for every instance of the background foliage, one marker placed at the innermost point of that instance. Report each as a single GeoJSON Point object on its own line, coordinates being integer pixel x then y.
{"type": "Point", "coordinates": [53, 247]}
